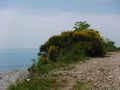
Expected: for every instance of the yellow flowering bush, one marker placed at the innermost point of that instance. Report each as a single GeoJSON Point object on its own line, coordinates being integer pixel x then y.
{"type": "Point", "coordinates": [43, 60]}
{"type": "Point", "coordinates": [89, 41]}
{"type": "Point", "coordinates": [52, 51]}
{"type": "Point", "coordinates": [51, 48]}
{"type": "Point", "coordinates": [83, 33]}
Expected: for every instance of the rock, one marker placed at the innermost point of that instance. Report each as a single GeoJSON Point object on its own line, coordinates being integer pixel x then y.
{"type": "Point", "coordinates": [111, 82]}
{"type": "Point", "coordinates": [95, 84]}
{"type": "Point", "coordinates": [28, 80]}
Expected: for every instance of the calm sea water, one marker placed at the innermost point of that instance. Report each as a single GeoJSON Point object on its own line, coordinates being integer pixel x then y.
{"type": "Point", "coordinates": [16, 59]}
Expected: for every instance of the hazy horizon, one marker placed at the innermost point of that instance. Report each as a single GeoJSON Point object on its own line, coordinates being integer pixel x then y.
{"type": "Point", "coordinates": [29, 23]}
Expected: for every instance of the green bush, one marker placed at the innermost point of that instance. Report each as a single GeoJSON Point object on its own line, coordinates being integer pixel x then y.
{"type": "Point", "coordinates": [94, 48]}
{"type": "Point", "coordinates": [41, 84]}
{"type": "Point", "coordinates": [43, 60]}
{"type": "Point", "coordinates": [53, 52]}
{"type": "Point", "coordinates": [72, 54]}
{"type": "Point", "coordinates": [43, 69]}
{"type": "Point", "coordinates": [109, 46]}
{"type": "Point", "coordinates": [74, 44]}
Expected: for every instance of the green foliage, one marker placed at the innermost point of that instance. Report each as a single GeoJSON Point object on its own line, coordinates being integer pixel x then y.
{"type": "Point", "coordinates": [73, 54]}
{"type": "Point", "coordinates": [40, 84]}
{"type": "Point", "coordinates": [74, 45]}
{"type": "Point", "coordinates": [43, 69]}
{"type": "Point", "coordinates": [109, 46]}
{"type": "Point", "coordinates": [118, 49]}
{"type": "Point", "coordinates": [87, 85]}
{"type": "Point", "coordinates": [32, 69]}
{"type": "Point", "coordinates": [52, 51]}
{"type": "Point", "coordinates": [43, 60]}
{"type": "Point", "coordinates": [94, 48]}
{"type": "Point", "coordinates": [83, 25]}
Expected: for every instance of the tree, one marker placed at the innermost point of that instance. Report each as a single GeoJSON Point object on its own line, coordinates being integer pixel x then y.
{"type": "Point", "coordinates": [83, 25]}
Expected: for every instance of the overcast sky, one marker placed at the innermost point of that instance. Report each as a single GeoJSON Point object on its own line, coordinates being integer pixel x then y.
{"type": "Point", "coordinates": [29, 23]}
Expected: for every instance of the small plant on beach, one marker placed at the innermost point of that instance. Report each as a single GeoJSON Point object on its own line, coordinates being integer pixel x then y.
{"type": "Point", "coordinates": [44, 83]}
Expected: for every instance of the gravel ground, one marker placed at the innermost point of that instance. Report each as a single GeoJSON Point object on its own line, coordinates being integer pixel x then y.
{"type": "Point", "coordinates": [11, 77]}
{"type": "Point", "coordinates": [104, 73]}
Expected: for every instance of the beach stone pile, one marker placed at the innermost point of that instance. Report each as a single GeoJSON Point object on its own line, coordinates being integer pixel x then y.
{"type": "Point", "coordinates": [11, 77]}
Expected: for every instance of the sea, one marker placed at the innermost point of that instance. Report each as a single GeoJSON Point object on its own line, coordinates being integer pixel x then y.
{"type": "Point", "coordinates": [16, 59]}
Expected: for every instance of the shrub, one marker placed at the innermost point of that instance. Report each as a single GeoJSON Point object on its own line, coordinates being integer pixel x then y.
{"type": "Point", "coordinates": [109, 45]}
{"type": "Point", "coordinates": [73, 54]}
{"type": "Point", "coordinates": [42, 84]}
{"type": "Point", "coordinates": [52, 52]}
{"type": "Point", "coordinates": [32, 69]}
{"type": "Point", "coordinates": [86, 42]}
{"type": "Point", "coordinates": [43, 60]}
{"type": "Point", "coordinates": [94, 48]}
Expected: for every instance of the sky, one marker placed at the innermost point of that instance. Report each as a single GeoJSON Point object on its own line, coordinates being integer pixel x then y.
{"type": "Point", "coordinates": [30, 23]}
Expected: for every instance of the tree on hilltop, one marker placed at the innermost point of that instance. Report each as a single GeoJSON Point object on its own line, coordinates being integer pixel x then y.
{"type": "Point", "coordinates": [83, 25]}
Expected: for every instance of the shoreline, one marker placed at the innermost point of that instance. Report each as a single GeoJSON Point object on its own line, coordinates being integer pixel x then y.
{"type": "Point", "coordinates": [16, 70]}
{"type": "Point", "coordinates": [11, 77]}
{"type": "Point", "coordinates": [104, 72]}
